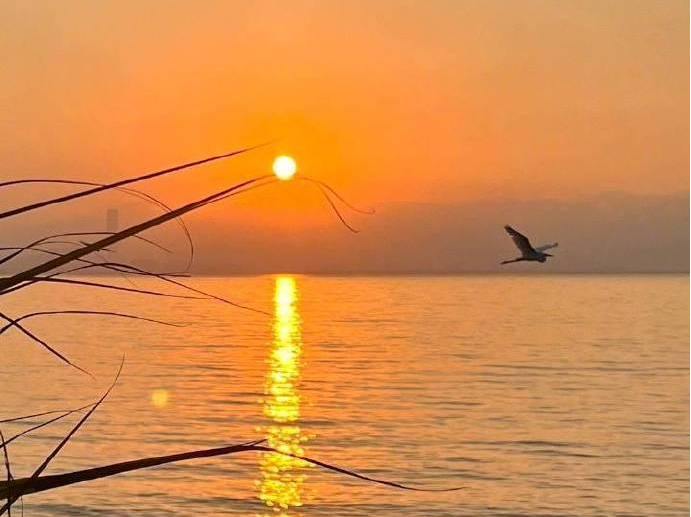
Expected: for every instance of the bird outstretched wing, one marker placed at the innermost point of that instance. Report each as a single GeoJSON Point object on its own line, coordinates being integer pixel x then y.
{"type": "Point", "coordinates": [520, 240]}
{"type": "Point", "coordinates": [547, 246]}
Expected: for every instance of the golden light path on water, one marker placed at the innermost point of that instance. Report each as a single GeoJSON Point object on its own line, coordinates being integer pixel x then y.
{"type": "Point", "coordinates": [281, 483]}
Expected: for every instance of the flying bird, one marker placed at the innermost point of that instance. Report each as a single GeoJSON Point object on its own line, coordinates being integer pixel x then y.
{"type": "Point", "coordinates": [527, 251]}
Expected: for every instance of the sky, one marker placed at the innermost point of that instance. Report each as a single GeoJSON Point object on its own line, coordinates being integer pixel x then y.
{"type": "Point", "coordinates": [397, 104]}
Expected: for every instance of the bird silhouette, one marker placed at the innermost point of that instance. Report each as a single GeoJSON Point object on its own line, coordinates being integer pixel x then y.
{"type": "Point", "coordinates": [528, 253]}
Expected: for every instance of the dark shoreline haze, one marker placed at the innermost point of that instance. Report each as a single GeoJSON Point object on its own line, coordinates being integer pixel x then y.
{"type": "Point", "coordinates": [606, 233]}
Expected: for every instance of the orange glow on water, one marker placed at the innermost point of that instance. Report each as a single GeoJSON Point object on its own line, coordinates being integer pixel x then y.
{"type": "Point", "coordinates": [281, 484]}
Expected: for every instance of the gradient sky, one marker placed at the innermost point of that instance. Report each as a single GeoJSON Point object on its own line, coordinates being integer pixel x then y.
{"type": "Point", "coordinates": [443, 101]}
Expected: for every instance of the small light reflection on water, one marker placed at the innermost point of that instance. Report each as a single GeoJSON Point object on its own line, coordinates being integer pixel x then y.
{"type": "Point", "coordinates": [160, 397]}
{"type": "Point", "coordinates": [281, 483]}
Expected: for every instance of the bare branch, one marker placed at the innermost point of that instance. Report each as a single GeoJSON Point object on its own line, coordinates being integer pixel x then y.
{"type": "Point", "coordinates": [33, 485]}
{"type": "Point", "coordinates": [11, 498]}
{"type": "Point", "coordinates": [36, 415]}
{"type": "Point", "coordinates": [86, 312]}
{"type": "Point", "coordinates": [7, 283]}
{"type": "Point", "coordinates": [72, 234]}
{"type": "Point", "coordinates": [136, 193]}
{"type": "Point", "coordinates": [43, 424]}
{"type": "Point", "coordinates": [7, 462]}
{"type": "Point", "coordinates": [42, 343]}
{"type": "Point", "coordinates": [88, 192]}
{"type": "Point", "coordinates": [88, 283]}
{"type": "Point", "coordinates": [368, 211]}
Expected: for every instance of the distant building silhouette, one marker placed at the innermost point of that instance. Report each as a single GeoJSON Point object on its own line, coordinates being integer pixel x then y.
{"type": "Point", "coordinates": [112, 220]}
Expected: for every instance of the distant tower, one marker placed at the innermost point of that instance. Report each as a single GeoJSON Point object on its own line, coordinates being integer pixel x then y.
{"type": "Point", "coordinates": [112, 220]}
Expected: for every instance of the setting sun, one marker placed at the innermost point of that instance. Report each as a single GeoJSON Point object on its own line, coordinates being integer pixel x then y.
{"type": "Point", "coordinates": [284, 167]}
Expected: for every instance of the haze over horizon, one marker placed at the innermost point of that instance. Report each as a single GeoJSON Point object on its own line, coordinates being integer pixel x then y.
{"type": "Point", "coordinates": [606, 233]}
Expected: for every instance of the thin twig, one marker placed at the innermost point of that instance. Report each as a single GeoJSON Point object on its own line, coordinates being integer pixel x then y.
{"type": "Point", "coordinates": [367, 211]}
{"type": "Point", "coordinates": [7, 466]}
{"type": "Point", "coordinates": [88, 283]}
{"type": "Point", "coordinates": [136, 193]}
{"type": "Point", "coordinates": [43, 240]}
{"type": "Point", "coordinates": [36, 415]}
{"type": "Point", "coordinates": [116, 184]}
{"type": "Point", "coordinates": [20, 491]}
{"type": "Point", "coordinates": [87, 312]}
{"type": "Point", "coordinates": [33, 485]}
{"type": "Point", "coordinates": [7, 283]}
{"type": "Point", "coordinates": [43, 343]}
{"type": "Point", "coordinates": [44, 424]}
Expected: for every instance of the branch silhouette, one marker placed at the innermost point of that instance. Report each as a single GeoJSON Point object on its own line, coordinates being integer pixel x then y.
{"type": "Point", "coordinates": [53, 271]}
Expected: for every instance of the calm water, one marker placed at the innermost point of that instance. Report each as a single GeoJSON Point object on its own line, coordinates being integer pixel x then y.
{"type": "Point", "coordinates": [543, 395]}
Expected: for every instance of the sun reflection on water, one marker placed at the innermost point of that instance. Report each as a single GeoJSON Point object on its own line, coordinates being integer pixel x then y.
{"type": "Point", "coordinates": [281, 483]}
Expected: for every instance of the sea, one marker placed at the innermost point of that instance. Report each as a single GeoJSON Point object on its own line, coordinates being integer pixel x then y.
{"type": "Point", "coordinates": [540, 395]}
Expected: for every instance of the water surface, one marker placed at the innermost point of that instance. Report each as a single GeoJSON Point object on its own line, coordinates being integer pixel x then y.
{"type": "Point", "coordinates": [543, 395]}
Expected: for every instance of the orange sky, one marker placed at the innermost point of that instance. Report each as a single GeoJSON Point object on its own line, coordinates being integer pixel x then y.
{"type": "Point", "coordinates": [439, 101]}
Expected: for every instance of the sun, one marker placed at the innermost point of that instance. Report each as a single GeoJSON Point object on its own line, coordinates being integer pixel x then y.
{"type": "Point", "coordinates": [284, 167]}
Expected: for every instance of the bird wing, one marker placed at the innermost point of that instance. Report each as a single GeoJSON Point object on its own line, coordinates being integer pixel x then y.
{"type": "Point", "coordinates": [520, 240]}
{"type": "Point", "coordinates": [547, 246]}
